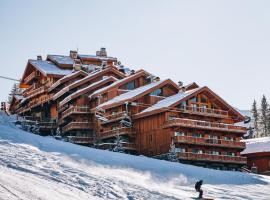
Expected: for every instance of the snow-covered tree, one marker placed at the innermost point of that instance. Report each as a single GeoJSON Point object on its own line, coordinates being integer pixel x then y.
{"type": "Point", "coordinates": [172, 156]}
{"type": "Point", "coordinates": [118, 145]}
{"type": "Point", "coordinates": [264, 116]}
{"type": "Point", "coordinates": [14, 91]}
{"type": "Point", "coordinates": [255, 116]}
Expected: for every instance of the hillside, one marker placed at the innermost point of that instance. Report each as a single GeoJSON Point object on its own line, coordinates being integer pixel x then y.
{"type": "Point", "coordinates": [35, 167]}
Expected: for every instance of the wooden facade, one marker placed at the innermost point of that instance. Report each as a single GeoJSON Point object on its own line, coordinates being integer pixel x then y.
{"type": "Point", "coordinates": [92, 100]}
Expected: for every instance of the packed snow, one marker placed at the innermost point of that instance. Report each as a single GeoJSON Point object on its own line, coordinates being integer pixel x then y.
{"type": "Point", "coordinates": [256, 145]}
{"type": "Point", "coordinates": [35, 167]}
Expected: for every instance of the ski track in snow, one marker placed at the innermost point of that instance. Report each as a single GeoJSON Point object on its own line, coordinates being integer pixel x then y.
{"type": "Point", "coordinates": [29, 171]}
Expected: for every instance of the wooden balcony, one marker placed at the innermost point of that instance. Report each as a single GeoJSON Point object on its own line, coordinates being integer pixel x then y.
{"type": "Point", "coordinates": [116, 116]}
{"type": "Point", "coordinates": [212, 158]}
{"type": "Point", "coordinates": [30, 77]}
{"type": "Point", "coordinates": [205, 111]}
{"type": "Point", "coordinates": [115, 132]}
{"type": "Point", "coordinates": [80, 139]}
{"type": "Point", "coordinates": [209, 142]}
{"type": "Point", "coordinates": [34, 92]}
{"type": "Point", "coordinates": [174, 122]}
{"type": "Point", "coordinates": [77, 126]}
{"type": "Point", "coordinates": [125, 145]}
{"type": "Point", "coordinates": [75, 110]}
{"type": "Point", "coordinates": [47, 125]}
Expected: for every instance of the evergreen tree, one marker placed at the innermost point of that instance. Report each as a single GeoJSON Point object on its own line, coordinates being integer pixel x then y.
{"type": "Point", "coordinates": [172, 156]}
{"type": "Point", "coordinates": [15, 90]}
{"type": "Point", "coordinates": [264, 116]}
{"type": "Point", "coordinates": [118, 145]}
{"type": "Point", "coordinates": [255, 116]}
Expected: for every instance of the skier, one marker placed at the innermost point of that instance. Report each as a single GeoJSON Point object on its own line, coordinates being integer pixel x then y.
{"type": "Point", "coordinates": [198, 188]}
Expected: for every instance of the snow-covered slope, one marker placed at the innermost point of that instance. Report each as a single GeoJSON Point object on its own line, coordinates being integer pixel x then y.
{"type": "Point", "coordinates": [35, 167]}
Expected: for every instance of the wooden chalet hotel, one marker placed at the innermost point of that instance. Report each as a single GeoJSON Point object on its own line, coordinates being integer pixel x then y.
{"type": "Point", "coordinates": [93, 100]}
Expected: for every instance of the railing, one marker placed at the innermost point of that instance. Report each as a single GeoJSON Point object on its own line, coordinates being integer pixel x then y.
{"type": "Point", "coordinates": [204, 125]}
{"type": "Point", "coordinates": [35, 92]}
{"type": "Point", "coordinates": [75, 109]}
{"type": "Point", "coordinates": [30, 77]}
{"type": "Point", "coordinates": [115, 132]}
{"type": "Point", "coordinates": [47, 125]}
{"type": "Point", "coordinates": [78, 126]}
{"type": "Point", "coordinates": [204, 111]}
{"type": "Point", "coordinates": [209, 142]}
{"type": "Point", "coordinates": [212, 158]}
{"type": "Point", "coordinates": [125, 145]}
{"type": "Point", "coordinates": [116, 116]}
{"type": "Point", "coordinates": [80, 139]}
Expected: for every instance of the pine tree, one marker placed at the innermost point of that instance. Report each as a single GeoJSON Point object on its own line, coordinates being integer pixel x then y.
{"type": "Point", "coordinates": [118, 145]}
{"type": "Point", "coordinates": [172, 156]}
{"type": "Point", "coordinates": [264, 116]}
{"type": "Point", "coordinates": [255, 116]}
{"type": "Point", "coordinates": [268, 120]}
{"type": "Point", "coordinates": [15, 90]}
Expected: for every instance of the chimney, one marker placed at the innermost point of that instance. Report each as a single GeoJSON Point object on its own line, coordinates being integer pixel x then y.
{"type": "Point", "coordinates": [156, 79]}
{"type": "Point", "coordinates": [103, 52]}
{"type": "Point", "coordinates": [39, 57]}
{"type": "Point", "coordinates": [180, 83]}
{"type": "Point", "coordinates": [77, 65]}
{"type": "Point", "coordinates": [73, 54]}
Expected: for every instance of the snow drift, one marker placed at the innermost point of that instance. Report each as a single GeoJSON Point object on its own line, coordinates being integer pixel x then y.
{"type": "Point", "coordinates": [35, 167]}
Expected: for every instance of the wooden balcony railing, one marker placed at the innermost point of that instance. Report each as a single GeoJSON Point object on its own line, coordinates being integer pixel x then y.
{"type": "Point", "coordinates": [115, 132]}
{"type": "Point", "coordinates": [125, 145]}
{"type": "Point", "coordinates": [75, 110]}
{"type": "Point", "coordinates": [203, 125]}
{"type": "Point", "coordinates": [47, 125]}
{"type": "Point", "coordinates": [35, 92]}
{"type": "Point", "coordinates": [209, 142]}
{"type": "Point", "coordinates": [212, 158]}
{"type": "Point", "coordinates": [30, 77]}
{"type": "Point", "coordinates": [80, 139]}
{"type": "Point", "coordinates": [116, 116]}
{"type": "Point", "coordinates": [204, 111]}
{"type": "Point", "coordinates": [77, 126]}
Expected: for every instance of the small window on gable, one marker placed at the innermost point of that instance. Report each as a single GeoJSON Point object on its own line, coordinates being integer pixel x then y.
{"type": "Point", "coordinates": [131, 85]}
{"type": "Point", "coordinates": [204, 99]}
{"type": "Point", "coordinates": [157, 92]}
{"type": "Point", "coordinates": [194, 99]}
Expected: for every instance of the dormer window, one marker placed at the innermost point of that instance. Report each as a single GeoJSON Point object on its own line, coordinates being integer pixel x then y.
{"type": "Point", "coordinates": [157, 92]}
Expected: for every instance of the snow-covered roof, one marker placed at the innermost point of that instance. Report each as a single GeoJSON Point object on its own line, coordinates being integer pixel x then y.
{"type": "Point", "coordinates": [170, 100]}
{"type": "Point", "coordinates": [66, 78]}
{"type": "Point", "coordinates": [257, 145]}
{"type": "Point", "coordinates": [18, 97]}
{"type": "Point", "coordinates": [86, 89]}
{"type": "Point", "coordinates": [132, 93]}
{"type": "Point", "coordinates": [60, 59]}
{"type": "Point", "coordinates": [47, 67]}
{"type": "Point", "coordinates": [116, 83]}
{"type": "Point", "coordinates": [83, 56]}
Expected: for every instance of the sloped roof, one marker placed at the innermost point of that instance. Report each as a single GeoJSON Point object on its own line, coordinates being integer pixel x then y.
{"type": "Point", "coordinates": [136, 93]}
{"type": "Point", "coordinates": [182, 96]}
{"type": "Point", "coordinates": [256, 145]}
{"type": "Point", "coordinates": [167, 102]}
{"type": "Point", "coordinates": [101, 58]}
{"type": "Point", "coordinates": [119, 83]}
{"type": "Point", "coordinates": [61, 60]}
{"type": "Point", "coordinates": [87, 89]}
{"type": "Point", "coordinates": [66, 78]}
{"type": "Point", "coordinates": [48, 68]}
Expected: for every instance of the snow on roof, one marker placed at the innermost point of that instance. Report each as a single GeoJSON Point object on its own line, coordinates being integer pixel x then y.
{"type": "Point", "coordinates": [85, 89]}
{"type": "Point", "coordinates": [170, 100]}
{"type": "Point", "coordinates": [256, 145]}
{"type": "Point", "coordinates": [59, 59]}
{"type": "Point", "coordinates": [131, 94]}
{"type": "Point", "coordinates": [18, 97]}
{"type": "Point", "coordinates": [96, 57]}
{"type": "Point", "coordinates": [65, 78]}
{"type": "Point", "coordinates": [47, 67]}
{"type": "Point", "coordinates": [112, 85]}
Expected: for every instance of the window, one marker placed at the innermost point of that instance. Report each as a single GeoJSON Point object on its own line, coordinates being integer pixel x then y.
{"type": "Point", "coordinates": [183, 105]}
{"type": "Point", "coordinates": [157, 92]}
{"type": "Point", "coordinates": [131, 85]}
{"type": "Point", "coordinates": [179, 134]}
{"type": "Point", "coordinates": [197, 151]}
{"type": "Point", "coordinates": [203, 99]}
{"type": "Point", "coordinates": [230, 153]}
{"type": "Point", "coordinates": [203, 108]}
{"type": "Point", "coordinates": [180, 150]}
{"type": "Point", "coordinates": [228, 138]}
{"type": "Point", "coordinates": [194, 99]}
{"type": "Point", "coordinates": [194, 107]}
{"type": "Point", "coordinates": [214, 152]}
{"type": "Point", "coordinates": [197, 135]}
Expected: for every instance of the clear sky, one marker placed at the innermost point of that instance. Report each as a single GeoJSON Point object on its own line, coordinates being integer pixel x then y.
{"type": "Point", "coordinates": [222, 44]}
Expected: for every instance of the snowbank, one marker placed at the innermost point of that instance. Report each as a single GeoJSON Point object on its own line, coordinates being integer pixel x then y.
{"type": "Point", "coordinates": [35, 167]}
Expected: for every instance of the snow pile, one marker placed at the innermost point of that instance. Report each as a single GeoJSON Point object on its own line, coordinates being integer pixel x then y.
{"type": "Point", "coordinates": [256, 145]}
{"type": "Point", "coordinates": [35, 167]}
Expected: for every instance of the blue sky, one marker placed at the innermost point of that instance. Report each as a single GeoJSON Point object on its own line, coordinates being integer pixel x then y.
{"type": "Point", "coordinates": [222, 44]}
